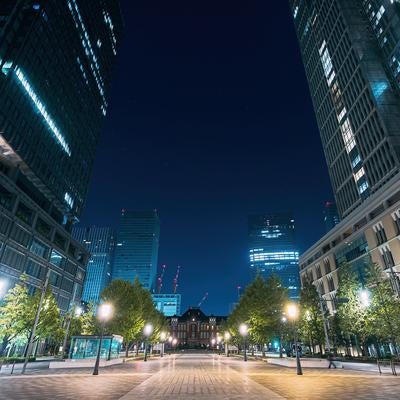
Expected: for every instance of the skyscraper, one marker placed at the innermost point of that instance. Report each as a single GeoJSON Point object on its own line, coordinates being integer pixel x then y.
{"type": "Point", "coordinates": [168, 304]}
{"type": "Point", "coordinates": [56, 61]}
{"type": "Point", "coordinates": [273, 250]}
{"type": "Point", "coordinates": [351, 56]}
{"type": "Point", "coordinates": [351, 63]}
{"type": "Point", "coordinates": [136, 252]}
{"type": "Point", "coordinates": [331, 217]}
{"type": "Point", "coordinates": [100, 243]}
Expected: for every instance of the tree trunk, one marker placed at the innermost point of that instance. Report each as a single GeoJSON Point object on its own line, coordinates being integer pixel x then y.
{"type": "Point", "coordinates": [126, 349]}
{"type": "Point", "coordinates": [4, 345]}
{"type": "Point", "coordinates": [137, 349]}
{"type": "Point", "coordinates": [36, 348]}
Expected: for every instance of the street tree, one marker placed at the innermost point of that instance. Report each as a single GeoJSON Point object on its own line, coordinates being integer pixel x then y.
{"type": "Point", "coordinates": [384, 308]}
{"type": "Point", "coordinates": [261, 308]}
{"type": "Point", "coordinates": [17, 316]}
{"type": "Point", "coordinates": [353, 315]}
{"type": "Point", "coordinates": [133, 308]}
{"type": "Point", "coordinates": [14, 314]}
{"type": "Point", "coordinates": [311, 326]}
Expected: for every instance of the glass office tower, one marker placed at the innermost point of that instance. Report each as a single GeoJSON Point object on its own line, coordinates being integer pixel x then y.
{"type": "Point", "coordinates": [56, 59]}
{"type": "Point", "coordinates": [272, 249]}
{"type": "Point", "coordinates": [168, 304]}
{"type": "Point", "coordinates": [331, 217]}
{"type": "Point", "coordinates": [350, 52]}
{"type": "Point", "coordinates": [136, 252]}
{"type": "Point", "coordinates": [100, 244]}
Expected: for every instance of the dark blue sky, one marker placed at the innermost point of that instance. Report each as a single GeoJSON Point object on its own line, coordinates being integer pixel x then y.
{"type": "Point", "coordinates": [210, 120]}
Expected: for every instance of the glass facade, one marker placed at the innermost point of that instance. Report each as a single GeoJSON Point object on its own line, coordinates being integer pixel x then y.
{"type": "Point", "coordinates": [54, 84]}
{"type": "Point", "coordinates": [86, 347]}
{"type": "Point", "coordinates": [136, 251]}
{"type": "Point", "coordinates": [272, 249]}
{"type": "Point", "coordinates": [349, 54]}
{"type": "Point", "coordinates": [168, 304]}
{"type": "Point", "coordinates": [331, 217]}
{"type": "Point", "coordinates": [100, 243]}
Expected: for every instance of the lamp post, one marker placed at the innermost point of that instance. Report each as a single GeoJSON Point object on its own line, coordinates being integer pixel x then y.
{"type": "Point", "coordinates": [35, 324]}
{"type": "Point", "coordinates": [104, 313]}
{"type": "Point", "coordinates": [147, 331]}
{"type": "Point", "coordinates": [365, 298]}
{"type": "Point", "coordinates": [213, 341]}
{"type": "Point", "coordinates": [163, 337]}
{"type": "Point", "coordinates": [174, 343]}
{"type": "Point", "coordinates": [3, 287]}
{"type": "Point", "coordinates": [78, 312]}
{"type": "Point", "coordinates": [293, 314]}
{"type": "Point", "coordinates": [283, 322]}
{"type": "Point", "coordinates": [227, 337]}
{"type": "Point", "coordinates": [244, 330]}
{"type": "Point", "coordinates": [170, 339]}
{"type": "Point", "coordinates": [219, 340]}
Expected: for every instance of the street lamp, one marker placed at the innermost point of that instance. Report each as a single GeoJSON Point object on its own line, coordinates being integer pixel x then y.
{"type": "Point", "coordinates": [163, 337]}
{"type": "Point", "coordinates": [293, 314]}
{"type": "Point", "coordinates": [244, 330]}
{"type": "Point", "coordinates": [104, 313]}
{"type": "Point", "coordinates": [170, 344]}
{"type": "Point", "coordinates": [3, 287]}
{"type": "Point", "coordinates": [219, 340]}
{"type": "Point", "coordinates": [147, 331]}
{"type": "Point", "coordinates": [174, 342]}
{"type": "Point", "coordinates": [227, 337]}
{"type": "Point", "coordinates": [77, 311]}
{"type": "Point", "coordinates": [283, 322]}
{"type": "Point", "coordinates": [365, 298]}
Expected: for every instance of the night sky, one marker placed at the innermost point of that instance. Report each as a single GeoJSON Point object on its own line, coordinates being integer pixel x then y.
{"type": "Point", "coordinates": [210, 120]}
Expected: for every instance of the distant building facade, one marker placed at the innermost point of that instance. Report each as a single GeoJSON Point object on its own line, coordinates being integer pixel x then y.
{"type": "Point", "coordinates": [194, 329]}
{"type": "Point", "coordinates": [136, 251]}
{"type": "Point", "coordinates": [351, 57]}
{"type": "Point", "coordinates": [168, 304]}
{"type": "Point", "coordinates": [273, 249]}
{"type": "Point", "coordinates": [331, 216]}
{"type": "Point", "coordinates": [100, 242]}
{"type": "Point", "coordinates": [54, 84]}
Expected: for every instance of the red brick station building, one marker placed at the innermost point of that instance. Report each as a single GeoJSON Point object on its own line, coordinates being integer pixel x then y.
{"type": "Point", "coordinates": [194, 329]}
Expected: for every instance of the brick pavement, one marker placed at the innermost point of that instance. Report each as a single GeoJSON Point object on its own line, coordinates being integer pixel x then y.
{"type": "Point", "coordinates": [199, 376]}
{"type": "Point", "coordinates": [317, 384]}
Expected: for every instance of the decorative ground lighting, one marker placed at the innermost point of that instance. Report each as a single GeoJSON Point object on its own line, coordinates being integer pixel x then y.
{"type": "Point", "coordinates": [147, 331]}
{"type": "Point", "coordinates": [293, 315]}
{"type": "Point", "coordinates": [104, 314]}
{"type": "Point", "coordinates": [244, 330]}
{"type": "Point", "coordinates": [227, 337]}
{"type": "Point", "coordinates": [163, 338]}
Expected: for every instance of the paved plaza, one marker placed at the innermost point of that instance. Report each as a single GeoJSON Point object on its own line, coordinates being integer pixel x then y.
{"type": "Point", "coordinates": [198, 376]}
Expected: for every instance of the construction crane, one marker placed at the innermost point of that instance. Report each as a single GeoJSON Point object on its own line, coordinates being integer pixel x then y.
{"type": "Point", "coordinates": [203, 299]}
{"type": "Point", "coordinates": [238, 291]}
{"type": "Point", "coordinates": [160, 278]}
{"type": "Point", "coordinates": [175, 285]}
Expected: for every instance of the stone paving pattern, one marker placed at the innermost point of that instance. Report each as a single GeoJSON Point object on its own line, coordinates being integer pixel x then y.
{"type": "Point", "coordinates": [198, 376]}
